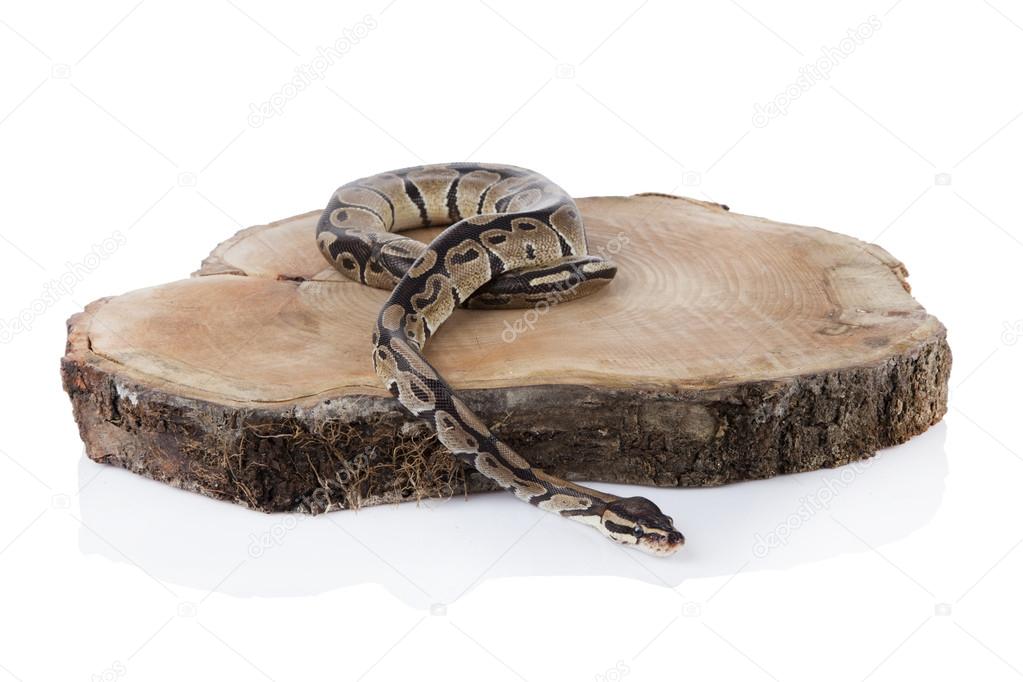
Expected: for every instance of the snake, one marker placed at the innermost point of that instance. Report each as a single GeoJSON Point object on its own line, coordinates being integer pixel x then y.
{"type": "Point", "coordinates": [512, 239]}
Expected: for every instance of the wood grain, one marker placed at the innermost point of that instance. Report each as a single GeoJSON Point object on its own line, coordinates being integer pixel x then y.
{"type": "Point", "coordinates": [728, 347]}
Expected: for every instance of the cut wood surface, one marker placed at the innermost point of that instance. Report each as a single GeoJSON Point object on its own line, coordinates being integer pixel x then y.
{"type": "Point", "coordinates": [727, 348]}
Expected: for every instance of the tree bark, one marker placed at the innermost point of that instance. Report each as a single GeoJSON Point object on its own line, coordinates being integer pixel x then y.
{"type": "Point", "coordinates": [728, 348]}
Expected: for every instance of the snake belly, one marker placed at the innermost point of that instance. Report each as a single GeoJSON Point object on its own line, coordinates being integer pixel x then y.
{"type": "Point", "coordinates": [513, 240]}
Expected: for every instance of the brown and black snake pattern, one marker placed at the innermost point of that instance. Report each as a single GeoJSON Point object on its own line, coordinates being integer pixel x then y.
{"type": "Point", "coordinates": [514, 239]}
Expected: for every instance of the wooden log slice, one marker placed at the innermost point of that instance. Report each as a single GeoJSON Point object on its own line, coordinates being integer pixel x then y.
{"type": "Point", "coordinates": [728, 348]}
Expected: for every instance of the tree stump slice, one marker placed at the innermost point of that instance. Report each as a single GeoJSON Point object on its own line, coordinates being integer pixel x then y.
{"type": "Point", "coordinates": [728, 348]}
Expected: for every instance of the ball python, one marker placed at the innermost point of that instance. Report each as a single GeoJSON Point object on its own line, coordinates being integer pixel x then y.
{"type": "Point", "coordinates": [513, 240]}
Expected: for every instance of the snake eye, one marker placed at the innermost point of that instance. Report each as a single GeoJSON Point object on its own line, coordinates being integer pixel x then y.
{"type": "Point", "coordinates": [637, 531]}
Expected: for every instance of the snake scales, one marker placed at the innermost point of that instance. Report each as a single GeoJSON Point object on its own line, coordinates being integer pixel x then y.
{"type": "Point", "coordinates": [514, 239]}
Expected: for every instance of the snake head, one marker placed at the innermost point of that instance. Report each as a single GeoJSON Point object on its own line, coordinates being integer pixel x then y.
{"type": "Point", "coordinates": [639, 522]}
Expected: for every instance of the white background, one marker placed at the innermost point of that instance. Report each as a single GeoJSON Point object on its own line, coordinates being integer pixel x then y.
{"type": "Point", "coordinates": [134, 118]}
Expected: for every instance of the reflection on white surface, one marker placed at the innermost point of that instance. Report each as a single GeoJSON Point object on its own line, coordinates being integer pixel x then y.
{"type": "Point", "coordinates": [434, 553]}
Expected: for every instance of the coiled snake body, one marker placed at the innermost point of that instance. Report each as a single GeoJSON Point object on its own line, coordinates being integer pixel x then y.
{"type": "Point", "coordinates": [514, 239]}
